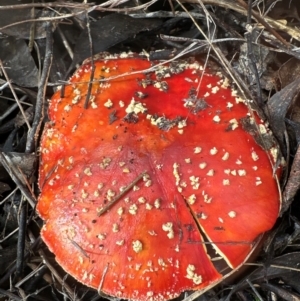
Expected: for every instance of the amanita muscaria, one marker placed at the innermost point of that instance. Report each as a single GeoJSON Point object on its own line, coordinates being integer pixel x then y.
{"type": "Point", "coordinates": [159, 164]}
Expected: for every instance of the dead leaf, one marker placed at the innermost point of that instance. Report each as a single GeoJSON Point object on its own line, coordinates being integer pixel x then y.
{"type": "Point", "coordinates": [289, 72]}
{"type": "Point", "coordinates": [293, 182]}
{"type": "Point", "coordinates": [109, 31]}
{"type": "Point", "coordinates": [22, 28]}
{"type": "Point", "coordinates": [18, 62]}
{"type": "Point", "coordinates": [278, 106]}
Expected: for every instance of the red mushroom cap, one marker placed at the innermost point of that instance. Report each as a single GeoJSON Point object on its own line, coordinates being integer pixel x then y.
{"type": "Point", "coordinates": [158, 164]}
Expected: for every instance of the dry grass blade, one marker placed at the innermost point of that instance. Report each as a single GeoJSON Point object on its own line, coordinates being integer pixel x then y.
{"type": "Point", "coordinates": [57, 276]}
{"type": "Point", "coordinates": [293, 32]}
{"type": "Point", "coordinates": [15, 95]}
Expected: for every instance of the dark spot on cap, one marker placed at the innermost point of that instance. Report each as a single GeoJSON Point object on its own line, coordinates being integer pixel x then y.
{"type": "Point", "coordinates": [112, 117]}
{"type": "Point", "coordinates": [131, 118]}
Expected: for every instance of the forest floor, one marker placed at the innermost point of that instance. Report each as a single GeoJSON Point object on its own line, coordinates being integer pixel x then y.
{"type": "Point", "coordinates": [256, 43]}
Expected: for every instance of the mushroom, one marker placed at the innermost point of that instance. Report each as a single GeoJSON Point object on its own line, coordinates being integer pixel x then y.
{"type": "Point", "coordinates": [163, 161]}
